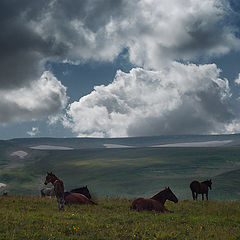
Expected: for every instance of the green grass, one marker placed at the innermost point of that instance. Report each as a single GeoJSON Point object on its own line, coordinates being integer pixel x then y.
{"type": "Point", "coordinates": [35, 218]}
{"type": "Point", "coordinates": [126, 173]}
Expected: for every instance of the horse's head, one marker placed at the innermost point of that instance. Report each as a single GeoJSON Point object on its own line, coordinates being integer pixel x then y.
{"type": "Point", "coordinates": [209, 183]}
{"type": "Point", "coordinates": [49, 178]}
{"type": "Point", "coordinates": [86, 192]}
{"type": "Point", "coordinates": [170, 195]}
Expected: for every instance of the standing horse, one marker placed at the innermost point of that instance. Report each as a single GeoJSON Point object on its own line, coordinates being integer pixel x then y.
{"type": "Point", "coordinates": [82, 190]}
{"type": "Point", "coordinates": [58, 188]}
{"type": "Point", "coordinates": [200, 188]}
{"type": "Point", "coordinates": [156, 202]}
{"type": "Point", "coordinates": [47, 192]}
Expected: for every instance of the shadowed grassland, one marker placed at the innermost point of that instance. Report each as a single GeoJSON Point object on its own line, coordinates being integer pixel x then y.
{"type": "Point", "coordinates": [35, 218]}
{"type": "Point", "coordinates": [125, 173]}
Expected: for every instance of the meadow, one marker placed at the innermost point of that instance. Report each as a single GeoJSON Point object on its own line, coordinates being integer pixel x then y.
{"type": "Point", "coordinates": [36, 218]}
{"type": "Point", "coordinates": [125, 173]}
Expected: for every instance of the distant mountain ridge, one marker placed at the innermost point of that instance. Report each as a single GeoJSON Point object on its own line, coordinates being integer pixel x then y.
{"type": "Point", "coordinates": [81, 143]}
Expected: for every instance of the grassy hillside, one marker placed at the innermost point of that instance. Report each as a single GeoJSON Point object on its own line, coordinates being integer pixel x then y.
{"type": "Point", "coordinates": [127, 172]}
{"type": "Point", "coordinates": [35, 218]}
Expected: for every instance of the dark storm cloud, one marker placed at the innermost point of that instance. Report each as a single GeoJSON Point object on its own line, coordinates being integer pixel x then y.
{"type": "Point", "coordinates": [30, 30]}
{"type": "Point", "coordinates": [34, 32]}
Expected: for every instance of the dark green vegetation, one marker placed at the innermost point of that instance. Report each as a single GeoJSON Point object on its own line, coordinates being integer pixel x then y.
{"type": "Point", "coordinates": [34, 218]}
{"type": "Point", "coordinates": [122, 172]}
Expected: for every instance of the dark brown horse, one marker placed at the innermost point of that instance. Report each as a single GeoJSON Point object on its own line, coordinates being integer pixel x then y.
{"type": "Point", "coordinates": [200, 188]}
{"type": "Point", "coordinates": [82, 190]}
{"type": "Point", "coordinates": [58, 188]}
{"type": "Point", "coordinates": [77, 198]}
{"type": "Point", "coordinates": [156, 202]}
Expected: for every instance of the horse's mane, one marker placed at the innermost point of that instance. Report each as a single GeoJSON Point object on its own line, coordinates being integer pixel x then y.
{"type": "Point", "coordinates": [207, 182]}
{"type": "Point", "coordinates": [159, 195]}
{"type": "Point", "coordinates": [53, 175]}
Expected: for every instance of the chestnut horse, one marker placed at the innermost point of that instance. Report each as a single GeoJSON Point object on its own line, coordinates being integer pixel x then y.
{"type": "Point", "coordinates": [200, 188]}
{"type": "Point", "coordinates": [156, 202]}
{"type": "Point", "coordinates": [58, 188]}
{"type": "Point", "coordinates": [77, 198]}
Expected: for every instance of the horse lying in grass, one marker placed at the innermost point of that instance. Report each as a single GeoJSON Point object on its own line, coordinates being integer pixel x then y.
{"type": "Point", "coordinates": [82, 190]}
{"type": "Point", "coordinates": [77, 198]}
{"type": "Point", "coordinates": [200, 188]}
{"type": "Point", "coordinates": [155, 203]}
{"type": "Point", "coordinates": [58, 188]}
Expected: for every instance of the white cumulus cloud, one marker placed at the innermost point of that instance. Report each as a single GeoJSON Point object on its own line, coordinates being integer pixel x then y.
{"type": "Point", "coordinates": [237, 80]}
{"type": "Point", "coordinates": [43, 97]}
{"type": "Point", "coordinates": [33, 131]}
{"type": "Point", "coordinates": [181, 99]}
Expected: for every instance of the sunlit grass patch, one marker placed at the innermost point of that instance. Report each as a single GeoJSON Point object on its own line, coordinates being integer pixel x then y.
{"type": "Point", "coordinates": [36, 218]}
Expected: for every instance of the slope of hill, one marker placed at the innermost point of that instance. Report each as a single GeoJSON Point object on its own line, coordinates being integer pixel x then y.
{"type": "Point", "coordinates": [122, 172]}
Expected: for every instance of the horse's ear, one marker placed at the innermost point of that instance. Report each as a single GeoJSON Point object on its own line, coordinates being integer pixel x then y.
{"type": "Point", "coordinates": [168, 188]}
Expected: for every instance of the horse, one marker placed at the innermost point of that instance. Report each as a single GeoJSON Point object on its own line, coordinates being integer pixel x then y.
{"type": "Point", "coordinates": [47, 192]}
{"type": "Point", "coordinates": [200, 188]}
{"type": "Point", "coordinates": [82, 190]}
{"type": "Point", "coordinates": [58, 188]}
{"type": "Point", "coordinates": [156, 202]}
{"type": "Point", "coordinates": [77, 198]}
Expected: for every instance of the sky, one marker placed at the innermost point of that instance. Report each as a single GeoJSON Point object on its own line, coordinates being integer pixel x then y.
{"type": "Point", "coordinates": [106, 68]}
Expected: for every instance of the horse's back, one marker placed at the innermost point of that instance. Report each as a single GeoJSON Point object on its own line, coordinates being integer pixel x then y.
{"type": "Point", "coordinates": [140, 204]}
{"type": "Point", "coordinates": [135, 202]}
{"type": "Point", "coordinates": [82, 190]}
{"type": "Point", "coordinates": [78, 198]}
{"type": "Point", "coordinates": [203, 187]}
{"type": "Point", "coordinates": [59, 189]}
{"type": "Point", "coordinates": [195, 186]}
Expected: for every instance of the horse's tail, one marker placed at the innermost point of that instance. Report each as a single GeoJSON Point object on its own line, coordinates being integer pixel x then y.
{"type": "Point", "coordinates": [92, 202]}
{"type": "Point", "coordinates": [134, 205]}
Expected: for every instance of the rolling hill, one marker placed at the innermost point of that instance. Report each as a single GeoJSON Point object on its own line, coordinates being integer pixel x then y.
{"type": "Point", "coordinates": [124, 167]}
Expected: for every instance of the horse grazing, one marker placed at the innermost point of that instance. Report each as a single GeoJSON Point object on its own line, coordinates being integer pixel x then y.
{"type": "Point", "coordinates": [200, 188]}
{"type": "Point", "coordinates": [58, 188]}
{"type": "Point", "coordinates": [156, 202]}
{"type": "Point", "coordinates": [77, 198]}
{"type": "Point", "coordinates": [47, 192]}
{"type": "Point", "coordinates": [82, 190]}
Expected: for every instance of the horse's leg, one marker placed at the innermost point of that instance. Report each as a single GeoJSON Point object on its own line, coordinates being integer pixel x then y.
{"type": "Point", "coordinates": [62, 202]}
{"type": "Point", "coordinates": [202, 196]}
{"type": "Point", "coordinates": [193, 195]}
{"type": "Point", "coordinates": [58, 201]}
{"type": "Point", "coordinates": [207, 196]}
{"type": "Point", "coordinates": [196, 196]}
{"type": "Point", "coordinates": [166, 210]}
